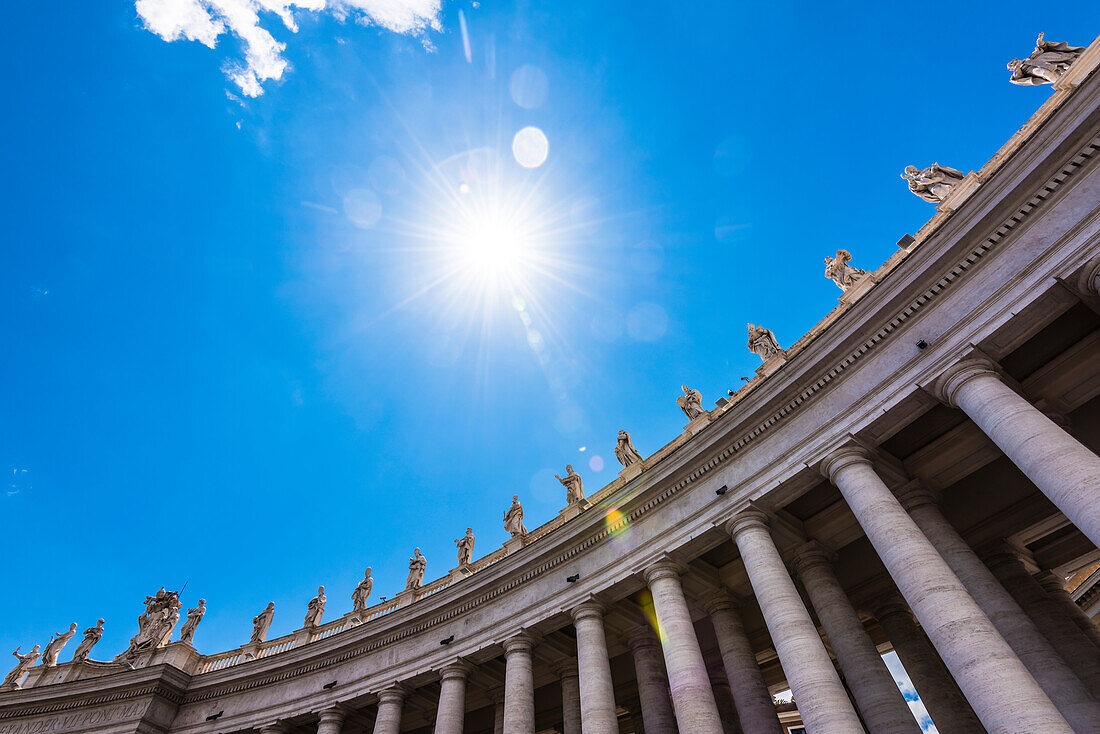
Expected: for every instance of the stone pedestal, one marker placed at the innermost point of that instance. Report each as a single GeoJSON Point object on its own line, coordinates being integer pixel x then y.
{"type": "Point", "coordinates": [857, 291]}
{"type": "Point", "coordinates": [772, 364]}
{"type": "Point", "coordinates": [697, 424]}
{"type": "Point", "coordinates": [570, 511]}
{"type": "Point", "coordinates": [632, 471]}
{"type": "Point", "coordinates": [960, 192]}
{"type": "Point", "coordinates": [514, 544]}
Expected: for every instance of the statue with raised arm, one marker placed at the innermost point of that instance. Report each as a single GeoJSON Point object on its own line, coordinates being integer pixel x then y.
{"type": "Point", "coordinates": [194, 616]}
{"type": "Point", "coordinates": [465, 547]}
{"type": "Point", "coordinates": [155, 625]}
{"type": "Point", "coordinates": [574, 485]}
{"type": "Point", "coordinates": [362, 592]}
{"type": "Point", "coordinates": [840, 272]}
{"type": "Point", "coordinates": [513, 519]}
{"type": "Point", "coordinates": [625, 451]}
{"type": "Point", "coordinates": [934, 183]}
{"type": "Point", "coordinates": [762, 342]}
{"type": "Point", "coordinates": [92, 635]}
{"type": "Point", "coordinates": [15, 677]}
{"type": "Point", "coordinates": [691, 402]}
{"type": "Point", "coordinates": [53, 647]}
{"type": "Point", "coordinates": [1046, 64]}
{"type": "Point", "coordinates": [316, 608]}
{"type": "Point", "coordinates": [261, 622]}
{"type": "Point", "coordinates": [418, 564]}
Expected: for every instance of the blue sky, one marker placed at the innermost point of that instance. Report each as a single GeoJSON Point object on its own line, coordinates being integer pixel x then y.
{"type": "Point", "coordinates": [247, 351]}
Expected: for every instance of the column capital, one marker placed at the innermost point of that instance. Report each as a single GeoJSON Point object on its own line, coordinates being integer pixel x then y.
{"type": "Point", "coordinates": [1089, 280]}
{"type": "Point", "coordinates": [750, 517]}
{"type": "Point", "coordinates": [720, 599]}
{"type": "Point", "coordinates": [812, 555]}
{"type": "Point", "coordinates": [523, 642]}
{"type": "Point", "coordinates": [642, 637]}
{"type": "Point", "coordinates": [846, 455]}
{"type": "Point", "coordinates": [915, 494]}
{"type": "Point", "coordinates": [1051, 581]}
{"type": "Point", "coordinates": [586, 609]}
{"type": "Point", "coordinates": [567, 669]}
{"type": "Point", "coordinates": [1003, 552]}
{"type": "Point", "coordinates": [458, 668]}
{"type": "Point", "coordinates": [946, 386]}
{"type": "Point", "coordinates": [889, 605]}
{"type": "Point", "coordinates": [664, 568]}
{"type": "Point", "coordinates": [277, 728]}
{"type": "Point", "coordinates": [334, 714]}
{"type": "Point", "coordinates": [397, 693]}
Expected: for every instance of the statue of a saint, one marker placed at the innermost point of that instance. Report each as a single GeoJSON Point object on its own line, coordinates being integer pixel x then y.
{"type": "Point", "coordinates": [763, 342]}
{"type": "Point", "coordinates": [625, 451]}
{"type": "Point", "coordinates": [574, 485]}
{"type": "Point", "coordinates": [261, 622]}
{"type": "Point", "coordinates": [840, 272]}
{"type": "Point", "coordinates": [934, 183]}
{"type": "Point", "coordinates": [316, 608]}
{"type": "Point", "coordinates": [465, 547]}
{"type": "Point", "coordinates": [15, 677]}
{"type": "Point", "coordinates": [57, 641]}
{"type": "Point", "coordinates": [691, 402]}
{"type": "Point", "coordinates": [155, 625]}
{"type": "Point", "coordinates": [362, 592]}
{"type": "Point", "coordinates": [1046, 64]}
{"type": "Point", "coordinates": [92, 635]}
{"type": "Point", "coordinates": [194, 616]}
{"type": "Point", "coordinates": [418, 564]}
{"type": "Point", "coordinates": [513, 519]}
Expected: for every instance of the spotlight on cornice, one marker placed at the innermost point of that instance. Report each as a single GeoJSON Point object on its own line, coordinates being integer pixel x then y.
{"type": "Point", "coordinates": [328, 686]}
{"type": "Point", "coordinates": [574, 578]}
{"type": "Point", "coordinates": [906, 240]}
{"type": "Point", "coordinates": [721, 490]}
{"type": "Point", "coordinates": [447, 641]}
{"type": "Point", "coordinates": [922, 344]}
{"type": "Point", "coordinates": [214, 717]}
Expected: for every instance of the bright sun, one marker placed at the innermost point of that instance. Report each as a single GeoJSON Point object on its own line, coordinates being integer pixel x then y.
{"type": "Point", "coordinates": [492, 247]}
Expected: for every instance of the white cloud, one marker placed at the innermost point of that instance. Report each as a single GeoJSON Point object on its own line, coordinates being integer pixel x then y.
{"type": "Point", "coordinates": [207, 20]}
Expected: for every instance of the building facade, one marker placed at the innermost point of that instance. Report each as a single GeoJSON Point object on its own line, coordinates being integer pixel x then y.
{"type": "Point", "coordinates": [917, 473]}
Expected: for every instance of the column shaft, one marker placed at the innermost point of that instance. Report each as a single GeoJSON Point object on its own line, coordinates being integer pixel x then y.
{"type": "Point", "coordinates": [689, 682]}
{"type": "Point", "coordinates": [1065, 636]}
{"type": "Point", "coordinates": [390, 703]}
{"type": "Point", "coordinates": [754, 704]}
{"type": "Point", "coordinates": [519, 686]}
{"type": "Point", "coordinates": [654, 698]}
{"type": "Point", "coordinates": [1053, 675]}
{"type": "Point", "coordinates": [938, 691]}
{"type": "Point", "coordinates": [570, 699]}
{"type": "Point", "coordinates": [1001, 691]}
{"type": "Point", "coordinates": [1055, 586]}
{"type": "Point", "coordinates": [1062, 468]}
{"type": "Point", "coordinates": [876, 694]}
{"type": "Point", "coordinates": [723, 698]}
{"type": "Point", "coordinates": [598, 715]}
{"type": "Point", "coordinates": [818, 692]}
{"type": "Point", "coordinates": [450, 717]}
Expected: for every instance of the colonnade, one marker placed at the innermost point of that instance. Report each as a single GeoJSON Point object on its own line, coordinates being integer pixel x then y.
{"type": "Point", "coordinates": [986, 644]}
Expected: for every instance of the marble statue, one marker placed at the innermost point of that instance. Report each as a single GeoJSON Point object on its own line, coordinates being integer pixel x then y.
{"type": "Point", "coordinates": [316, 608]}
{"type": "Point", "coordinates": [92, 635]}
{"type": "Point", "coordinates": [53, 647]}
{"type": "Point", "coordinates": [691, 402]}
{"type": "Point", "coordinates": [934, 183]}
{"type": "Point", "coordinates": [362, 592]}
{"type": "Point", "coordinates": [1046, 64]}
{"type": "Point", "coordinates": [155, 626]}
{"type": "Point", "coordinates": [194, 616]}
{"type": "Point", "coordinates": [840, 272]}
{"type": "Point", "coordinates": [418, 564]}
{"type": "Point", "coordinates": [625, 451]}
{"type": "Point", "coordinates": [513, 519]}
{"type": "Point", "coordinates": [465, 547]}
{"type": "Point", "coordinates": [261, 622]}
{"type": "Point", "coordinates": [763, 342]}
{"type": "Point", "coordinates": [574, 485]}
{"type": "Point", "coordinates": [15, 677]}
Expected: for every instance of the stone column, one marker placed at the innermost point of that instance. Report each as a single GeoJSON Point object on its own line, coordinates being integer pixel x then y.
{"type": "Point", "coordinates": [570, 698]}
{"type": "Point", "coordinates": [876, 694]}
{"type": "Point", "coordinates": [1064, 470]}
{"type": "Point", "coordinates": [1000, 690]}
{"type": "Point", "coordinates": [276, 728]}
{"type": "Point", "coordinates": [653, 695]}
{"type": "Point", "coordinates": [390, 703]}
{"type": "Point", "coordinates": [755, 709]}
{"type": "Point", "coordinates": [331, 721]}
{"type": "Point", "coordinates": [723, 699]}
{"type": "Point", "coordinates": [496, 695]}
{"type": "Point", "coordinates": [688, 681]}
{"type": "Point", "coordinates": [519, 685]}
{"type": "Point", "coordinates": [818, 692]}
{"type": "Point", "coordinates": [938, 691]}
{"type": "Point", "coordinates": [1055, 586]}
{"type": "Point", "coordinates": [450, 716]}
{"type": "Point", "coordinates": [1062, 633]}
{"type": "Point", "coordinates": [1052, 674]}
{"type": "Point", "coordinates": [597, 691]}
